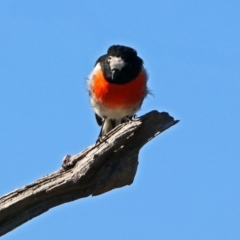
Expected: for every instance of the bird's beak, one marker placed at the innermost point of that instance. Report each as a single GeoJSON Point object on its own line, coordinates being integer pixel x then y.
{"type": "Point", "coordinates": [115, 73]}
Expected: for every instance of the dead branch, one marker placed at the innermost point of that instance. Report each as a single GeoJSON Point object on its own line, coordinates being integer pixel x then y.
{"type": "Point", "coordinates": [98, 169]}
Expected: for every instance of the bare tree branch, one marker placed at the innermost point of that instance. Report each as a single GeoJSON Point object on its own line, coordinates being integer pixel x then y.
{"type": "Point", "coordinates": [98, 169]}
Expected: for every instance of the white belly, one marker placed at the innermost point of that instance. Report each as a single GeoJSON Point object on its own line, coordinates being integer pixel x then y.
{"type": "Point", "coordinates": [112, 113]}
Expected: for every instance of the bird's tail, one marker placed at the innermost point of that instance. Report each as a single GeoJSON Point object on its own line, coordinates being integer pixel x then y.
{"type": "Point", "coordinates": [108, 125]}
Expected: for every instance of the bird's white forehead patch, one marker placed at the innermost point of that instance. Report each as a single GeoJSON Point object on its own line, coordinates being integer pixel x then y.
{"type": "Point", "coordinates": [116, 63]}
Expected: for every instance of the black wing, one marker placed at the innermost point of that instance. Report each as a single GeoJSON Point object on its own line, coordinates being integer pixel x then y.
{"type": "Point", "coordinates": [99, 120]}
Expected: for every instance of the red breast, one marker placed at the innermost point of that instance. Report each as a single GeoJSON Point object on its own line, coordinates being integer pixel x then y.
{"type": "Point", "coordinates": [119, 95]}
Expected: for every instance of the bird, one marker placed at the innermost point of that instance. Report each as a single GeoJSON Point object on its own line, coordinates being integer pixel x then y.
{"type": "Point", "coordinates": [117, 86]}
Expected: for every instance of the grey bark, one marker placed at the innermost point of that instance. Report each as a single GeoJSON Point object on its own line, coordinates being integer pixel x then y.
{"type": "Point", "coordinates": [100, 168]}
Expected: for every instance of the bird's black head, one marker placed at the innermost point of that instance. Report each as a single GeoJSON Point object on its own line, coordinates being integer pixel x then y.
{"type": "Point", "coordinates": [121, 64]}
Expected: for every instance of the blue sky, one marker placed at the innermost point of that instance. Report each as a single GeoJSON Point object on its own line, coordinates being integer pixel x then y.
{"type": "Point", "coordinates": [187, 184]}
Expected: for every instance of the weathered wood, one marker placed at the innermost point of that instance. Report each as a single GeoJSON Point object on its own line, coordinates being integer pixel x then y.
{"type": "Point", "coordinates": [98, 169]}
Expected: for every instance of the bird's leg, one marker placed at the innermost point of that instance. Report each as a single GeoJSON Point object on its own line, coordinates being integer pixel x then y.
{"type": "Point", "coordinates": [107, 126]}
{"type": "Point", "coordinates": [100, 136]}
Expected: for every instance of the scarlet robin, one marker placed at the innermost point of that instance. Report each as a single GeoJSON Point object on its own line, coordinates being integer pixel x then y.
{"type": "Point", "coordinates": [117, 86]}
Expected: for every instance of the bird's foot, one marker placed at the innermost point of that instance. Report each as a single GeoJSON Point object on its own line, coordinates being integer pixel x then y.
{"type": "Point", "coordinates": [129, 119]}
